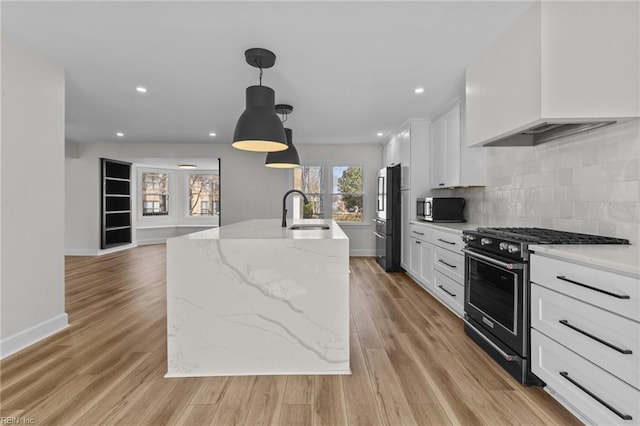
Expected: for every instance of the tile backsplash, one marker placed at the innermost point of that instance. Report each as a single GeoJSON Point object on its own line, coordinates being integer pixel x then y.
{"type": "Point", "coordinates": [586, 183]}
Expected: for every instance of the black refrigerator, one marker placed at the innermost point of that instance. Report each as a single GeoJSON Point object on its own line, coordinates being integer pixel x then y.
{"type": "Point", "coordinates": [388, 217]}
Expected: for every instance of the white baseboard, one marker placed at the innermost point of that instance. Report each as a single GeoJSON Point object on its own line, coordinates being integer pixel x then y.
{"type": "Point", "coordinates": [97, 252]}
{"type": "Point", "coordinates": [119, 248]}
{"type": "Point", "coordinates": [80, 252]}
{"type": "Point", "coordinates": [261, 373]}
{"type": "Point", "coordinates": [31, 335]}
{"type": "Point", "coordinates": [362, 252]}
{"type": "Point", "coordinates": [150, 241]}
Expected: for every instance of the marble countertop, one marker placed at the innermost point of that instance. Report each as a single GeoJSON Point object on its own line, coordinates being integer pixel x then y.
{"type": "Point", "coordinates": [451, 227]}
{"type": "Point", "coordinates": [623, 259]}
{"type": "Point", "coordinates": [267, 229]}
{"type": "Point", "coordinates": [253, 298]}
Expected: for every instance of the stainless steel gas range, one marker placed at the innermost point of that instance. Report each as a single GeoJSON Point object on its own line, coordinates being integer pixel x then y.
{"type": "Point", "coordinates": [497, 290]}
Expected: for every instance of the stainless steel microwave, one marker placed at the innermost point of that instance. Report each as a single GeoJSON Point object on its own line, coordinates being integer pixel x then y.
{"type": "Point", "coordinates": [441, 209]}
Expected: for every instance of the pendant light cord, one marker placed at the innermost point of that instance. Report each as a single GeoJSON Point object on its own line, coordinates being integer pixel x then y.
{"type": "Point", "coordinates": [260, 75]}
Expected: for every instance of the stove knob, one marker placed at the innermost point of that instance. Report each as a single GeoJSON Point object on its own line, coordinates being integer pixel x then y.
{"type": "Point", "coordinates": [468, 238]}
{"type": "Point", "coordinates": [486, 241]}
{"type": "Point", "coordinates": [513, 248]}
{"type": "Point", "coordinates": [504, 246]}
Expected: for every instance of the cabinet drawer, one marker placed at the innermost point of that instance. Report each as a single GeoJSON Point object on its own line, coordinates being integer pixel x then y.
{"type": "Point", "coordinates": [449, 292]}
{"type": "Point", "coordinates": [450, 264]}
{"type": "Point", "coordinates": [608, 340]}
{"type": "Point", "coordinates": [420, 232]}
{"type": "Point", "coordinates": [613, 292]}
{"type": "Point", "coordinates": [447, 240]}
{"type": "Point", "coordinates": [558, 367]}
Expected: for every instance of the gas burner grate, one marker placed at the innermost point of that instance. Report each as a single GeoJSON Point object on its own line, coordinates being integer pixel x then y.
{"type": "Point", "coordinates": [551, 236]}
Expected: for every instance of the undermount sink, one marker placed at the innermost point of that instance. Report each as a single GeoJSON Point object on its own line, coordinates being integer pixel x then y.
{"type": "Point", "coordinates": [309, 227]}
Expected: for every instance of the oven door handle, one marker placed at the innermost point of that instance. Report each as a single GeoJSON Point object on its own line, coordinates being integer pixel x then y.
{"type": "Point", "coordinates": [509, 266]}
{"type": "Point", "coordinates": [489, 342]}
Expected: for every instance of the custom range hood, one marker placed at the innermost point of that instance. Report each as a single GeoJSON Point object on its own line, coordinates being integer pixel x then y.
{"type": "Point", "coordinates": [562, 69]}
{"type": "Point", "coordinates": [547, 132]}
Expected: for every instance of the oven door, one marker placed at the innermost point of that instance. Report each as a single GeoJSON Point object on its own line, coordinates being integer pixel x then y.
{"type": "Point", "coordinates": [496, 297]}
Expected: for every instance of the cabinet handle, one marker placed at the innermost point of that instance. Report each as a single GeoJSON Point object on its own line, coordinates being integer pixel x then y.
{"type": "Point", "coordinates": [592, 395]}
{"type": "Point", "coordinates": [619, 296]}
{"type": "Point", "coordinates": [447, 291]}
{"type": "Point", "coordinates": [445, 241]}
{"type": "Point", "coordinates": [448, 264]}
{"type": "Point", "coordinates": [419, 233]}
{"type": "Point", "coordinates": [441, 184]}
{"type": "Point", "coordinates": [597, 339]}
{"type": "Point", "coordinates": [418, 242]}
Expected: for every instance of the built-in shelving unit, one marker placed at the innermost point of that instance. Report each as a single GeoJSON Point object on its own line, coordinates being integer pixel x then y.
{"type": "Point", "coordinates": [116, 203]}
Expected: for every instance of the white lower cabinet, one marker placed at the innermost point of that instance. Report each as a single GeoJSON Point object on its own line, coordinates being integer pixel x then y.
{"type": "Point", "coordinates": [449, 263]}
{"type": "Point", "coordinates": [609, 340]}
{"type": "Point", "coordinates": [449, 291]}
{"type": "Point", "coordinates": [591, 391]}
{"type": "Point", "coordinates": [437, 264]}
{"type": "Point", "coordinates": [415, 247]}
{"type": "Point", "coordinates": [405, 209]}
{"type": "Point", "coordinates": [585, 339]}
{"type": "Point", "coordinates": [426, 264]}
{"type": "Point", "coordinates": [613, 292]}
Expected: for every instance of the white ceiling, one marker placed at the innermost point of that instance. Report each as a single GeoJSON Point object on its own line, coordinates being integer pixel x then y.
{"type": "Point", "coordinates": [348, 68]}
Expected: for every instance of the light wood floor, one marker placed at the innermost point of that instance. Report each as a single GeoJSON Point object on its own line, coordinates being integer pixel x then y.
{"type": "Point", "coordinates": [411, 363]}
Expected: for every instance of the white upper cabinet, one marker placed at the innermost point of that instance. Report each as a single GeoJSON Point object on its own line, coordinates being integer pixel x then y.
{"type": "Point", "coordinates": [391, 152]}
{"type": "Point", "coordinates": [452, 163]}
{"type": "Point", "coordinates": [561, 62]}
{"type": "Point", "coordinates": [409, 144]}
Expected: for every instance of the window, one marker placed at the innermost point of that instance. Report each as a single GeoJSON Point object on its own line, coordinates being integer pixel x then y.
{"type": "Point", "coordinates": [345, 193]}
{"type": "Point", "coordinates": [308, 179]}
{"type": "Point", "coordinates": [155, 194]}
{"type": "Point", "coordinates": [204, 194]}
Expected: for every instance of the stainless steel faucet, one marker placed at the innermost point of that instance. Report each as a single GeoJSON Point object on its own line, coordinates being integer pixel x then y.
{"type": "Point", "coordinates": [284, 204]}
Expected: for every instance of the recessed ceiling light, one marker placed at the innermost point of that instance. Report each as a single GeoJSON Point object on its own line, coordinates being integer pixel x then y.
{"type": "Point", "coordinates": [120, 134]}
{"type": "Point", "coordinates": [380, 133]}
{"type": "Point", "coordinates": [187, 166]}
{"type": "Point", "coordinates": [419, 90]}
{"type": "Point", "coordinates": [141, 89]}
{"type": "Point", "coordinates": [212, 134]}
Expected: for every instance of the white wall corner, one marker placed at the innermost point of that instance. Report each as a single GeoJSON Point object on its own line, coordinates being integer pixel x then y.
{"type": "Point", "coordinates": [31, 335]}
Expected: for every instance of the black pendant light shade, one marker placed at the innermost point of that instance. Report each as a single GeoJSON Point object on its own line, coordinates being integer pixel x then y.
{"type": "Point", "coordinates": [259, 128]}
{"type": "Point", "coordinates": [286, 159]}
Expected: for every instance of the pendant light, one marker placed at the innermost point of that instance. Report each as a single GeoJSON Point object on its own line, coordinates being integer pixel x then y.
{"type": "Point", "coordinates": [288, 158]}
{"type": "Point", "coordinates": [259, 128]}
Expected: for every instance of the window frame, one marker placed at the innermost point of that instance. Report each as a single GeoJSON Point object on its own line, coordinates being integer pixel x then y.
{"type": "Point", "coordinates": [140, 195]}
{"type": "Point", "coordinates": [327, 184]}
{"type": "Point", "coordinates": [364, 185]}
{"type": "Point", "coordinates": [186, 216]}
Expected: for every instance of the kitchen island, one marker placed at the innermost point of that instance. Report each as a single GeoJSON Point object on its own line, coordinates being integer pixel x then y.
{"type": "Point", "coordinates": [255, 298]}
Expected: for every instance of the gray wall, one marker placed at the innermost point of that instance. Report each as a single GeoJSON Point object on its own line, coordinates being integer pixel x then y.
{"type": "Point", "coordinates": [248, 188]}
{"type": "Point", "coordinates": [32, 188]}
